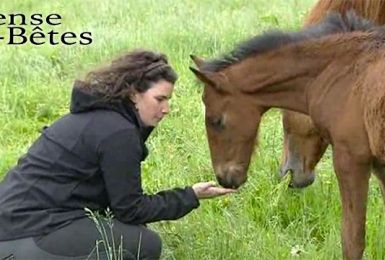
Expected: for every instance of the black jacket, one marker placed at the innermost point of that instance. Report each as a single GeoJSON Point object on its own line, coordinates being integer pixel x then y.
{"type": "Point", "coordinates": [88, 158]}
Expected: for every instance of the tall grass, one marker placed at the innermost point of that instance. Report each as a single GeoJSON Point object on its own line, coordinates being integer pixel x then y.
{"type": "Point", "coordinates": [106, 245]}
{"type": "Point", "coordinates": [265, 219]}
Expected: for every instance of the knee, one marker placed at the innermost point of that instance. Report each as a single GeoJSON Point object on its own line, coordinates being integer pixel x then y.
{"type": "Point", "coordinates": [151, 245]}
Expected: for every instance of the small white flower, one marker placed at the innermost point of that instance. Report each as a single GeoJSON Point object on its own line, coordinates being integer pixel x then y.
{"type": "Point", "coordinates": [296, 250]}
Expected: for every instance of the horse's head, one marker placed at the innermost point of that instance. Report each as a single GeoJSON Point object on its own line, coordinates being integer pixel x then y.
{"type": "Point", "coordinates": [231, 125]}
{"type": "Point", "coordinates": [303, 148]}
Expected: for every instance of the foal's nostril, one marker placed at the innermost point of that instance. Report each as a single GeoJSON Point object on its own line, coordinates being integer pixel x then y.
{"type": "Point", "coordinates": [283, 172]}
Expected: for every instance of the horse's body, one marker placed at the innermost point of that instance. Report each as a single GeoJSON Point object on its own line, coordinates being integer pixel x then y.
{"type": "Point", "coordinates": [338, 80]}
{"type": "Point", "coordinates": [303, 143]}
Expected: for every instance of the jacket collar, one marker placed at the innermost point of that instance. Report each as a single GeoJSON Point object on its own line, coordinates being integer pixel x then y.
{"type": "Point", "coordinates": [83, 100]}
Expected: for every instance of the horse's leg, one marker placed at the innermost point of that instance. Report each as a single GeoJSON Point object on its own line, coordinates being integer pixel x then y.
{"type": "Point", "coordinates": [353, 179]}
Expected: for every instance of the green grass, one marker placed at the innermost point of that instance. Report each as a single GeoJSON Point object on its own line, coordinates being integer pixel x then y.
{"type": "Point", "coordinates": [265, 219]}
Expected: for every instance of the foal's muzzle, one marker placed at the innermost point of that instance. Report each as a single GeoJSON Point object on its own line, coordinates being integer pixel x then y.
{"type": "Point", "coordinates": [232, 176]}
{"type": "Point", "coordinates": [298, 177]}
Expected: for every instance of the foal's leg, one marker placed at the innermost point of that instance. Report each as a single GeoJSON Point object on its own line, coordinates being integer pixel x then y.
{"type": "Point", "coordinates": [353, 179]}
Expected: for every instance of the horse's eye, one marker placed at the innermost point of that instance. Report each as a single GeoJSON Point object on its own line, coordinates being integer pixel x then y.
{"type": "Point", "coordinates": [216, 122]}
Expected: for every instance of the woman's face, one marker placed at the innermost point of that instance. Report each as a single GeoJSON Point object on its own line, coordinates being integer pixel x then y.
{"type": "Point", "coordinates": [153, 104]}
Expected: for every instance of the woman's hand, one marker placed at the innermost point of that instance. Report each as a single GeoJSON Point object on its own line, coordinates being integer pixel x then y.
{"type": "Point", "coordinates": [206, 190]}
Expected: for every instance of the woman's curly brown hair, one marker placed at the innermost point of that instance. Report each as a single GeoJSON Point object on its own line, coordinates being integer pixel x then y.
{"type": "Point", "coordinates": [133, 72]}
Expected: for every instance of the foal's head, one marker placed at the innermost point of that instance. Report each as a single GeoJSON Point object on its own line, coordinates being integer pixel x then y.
{"type": "Point", "coordinates": [302, 149]}
{"type": "Point", "coordinates": [231, 125]}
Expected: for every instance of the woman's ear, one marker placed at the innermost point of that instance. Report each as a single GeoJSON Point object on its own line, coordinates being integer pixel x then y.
{"type": "Point", "coordinates": [133, 96]}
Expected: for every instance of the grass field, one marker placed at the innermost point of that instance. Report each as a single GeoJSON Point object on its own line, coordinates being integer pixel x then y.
{"type": "Point", "coordinates": [265, 219]}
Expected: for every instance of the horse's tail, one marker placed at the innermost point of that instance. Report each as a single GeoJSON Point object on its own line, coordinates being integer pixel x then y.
{"type": "Point", "coordinates": [373, 10]}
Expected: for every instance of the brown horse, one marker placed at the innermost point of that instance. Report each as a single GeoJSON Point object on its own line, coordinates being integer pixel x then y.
{"type": "Point", "coordinates": [303, 143]}
{"type": "Point", "coordinates": [336, 79]}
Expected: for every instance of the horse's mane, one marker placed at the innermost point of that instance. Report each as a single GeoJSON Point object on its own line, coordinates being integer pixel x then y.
{"type": "Point", "coordinates": [333, 23]}
{"type": "Point", "coordinates": [372, 10]}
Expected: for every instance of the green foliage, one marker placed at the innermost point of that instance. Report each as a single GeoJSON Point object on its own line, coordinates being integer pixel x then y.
{"type": "Point", "coordinates": [104, 224]}
{"type": "Point", "coordinates": [265, 219]}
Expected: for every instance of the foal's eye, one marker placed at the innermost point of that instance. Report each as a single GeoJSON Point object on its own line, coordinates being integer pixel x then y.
{"type": "Point", "coordinates": [216, 122]}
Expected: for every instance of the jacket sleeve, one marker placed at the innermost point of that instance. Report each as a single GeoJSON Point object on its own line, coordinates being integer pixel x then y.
{"type": "Point", "coordinates": [120, 159]}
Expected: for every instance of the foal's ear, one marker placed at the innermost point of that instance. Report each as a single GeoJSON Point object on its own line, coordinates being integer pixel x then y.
{"type": "Point", "coordinates": [208, 78]}
{"type": "Point", "coordinates": [213, 79]}
{"type": "Point", "coordinates": [197, 60]}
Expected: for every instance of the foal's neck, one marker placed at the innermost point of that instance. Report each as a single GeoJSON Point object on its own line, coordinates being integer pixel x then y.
{"type": "Point", "coordinates": [283, 78]}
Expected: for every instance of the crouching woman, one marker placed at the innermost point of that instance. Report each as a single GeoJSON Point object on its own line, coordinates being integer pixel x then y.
{"type": "Point", "coordinates": [91, 158]}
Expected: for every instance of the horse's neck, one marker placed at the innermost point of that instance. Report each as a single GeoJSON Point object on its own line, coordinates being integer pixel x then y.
{"type": "Point", "coordinates": [283, 78]}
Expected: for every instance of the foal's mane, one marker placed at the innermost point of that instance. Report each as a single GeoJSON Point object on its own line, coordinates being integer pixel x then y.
{"type": "Point", "coordinates": [333, 23]}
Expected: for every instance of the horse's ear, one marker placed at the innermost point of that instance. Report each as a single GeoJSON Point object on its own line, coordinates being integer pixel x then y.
{"type": "Point", "coordinates": [212, 79]}
{"type": "Point", "coordinates": [197, 61]}
{"type": "Point", "coordinates": [206, 77]}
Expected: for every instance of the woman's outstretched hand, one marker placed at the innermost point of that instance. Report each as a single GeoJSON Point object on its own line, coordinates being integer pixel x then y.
{"type": "Point", "coordinates": [206, 190]}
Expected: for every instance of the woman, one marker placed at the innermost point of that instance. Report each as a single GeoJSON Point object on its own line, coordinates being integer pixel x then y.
{"type": "Point", "coordinates": [90, 158]}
